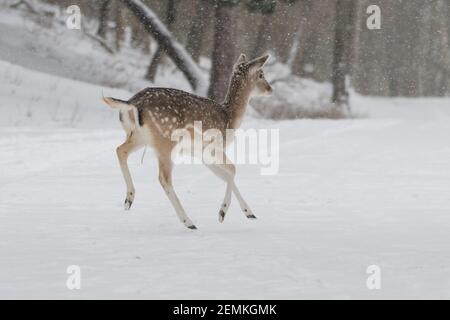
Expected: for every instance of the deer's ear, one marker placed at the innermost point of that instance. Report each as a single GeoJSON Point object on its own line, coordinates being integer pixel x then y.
{"type": "Point", "coordinates": [258, 63]}
{"type": "Point", "coordinates": [242, 58]}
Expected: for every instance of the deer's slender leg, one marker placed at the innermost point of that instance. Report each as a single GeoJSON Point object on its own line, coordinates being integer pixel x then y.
{"type": "Point", "coordinates": [227, 172]}
{"type": "Point", "coordinates": [244, 206]}
{"type": "Point", "coordinates": [123, 151]}
{"type": "Point", "coordinates": [228, 178]}
{"type": "Point", "coordinates": [165, 178]}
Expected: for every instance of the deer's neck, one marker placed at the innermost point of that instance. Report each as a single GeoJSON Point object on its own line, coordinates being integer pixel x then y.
{"type": "Point", "coordinates": [235, 104]}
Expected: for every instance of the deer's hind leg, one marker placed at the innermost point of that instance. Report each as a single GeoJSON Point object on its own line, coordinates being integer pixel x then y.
{"type": "Point", "coordinates": [165, 178]}
{"type": "Point", "coordinates": [123, 151]}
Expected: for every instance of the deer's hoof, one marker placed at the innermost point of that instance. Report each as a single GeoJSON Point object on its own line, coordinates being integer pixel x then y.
{"type": "Point", "coordinates": [127, 204]}
{"type": "Point", "coordinates": [192, 227]}
{"type": "Point", "coordinates": [221, 215]}
{"type": "Point", "coordinates": [248, 213]}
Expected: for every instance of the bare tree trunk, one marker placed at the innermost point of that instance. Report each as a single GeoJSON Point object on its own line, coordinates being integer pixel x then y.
{"type": "Point", "coordinates": [224, 54]}
{"type": "Point", "coordinates": [159, 54]}
{"type": "Point", "coordinates": [306, 42]}
{"type": "Point", "coordinates": [425, 37]}
{"type": "Point", "coordinates": [120, 26]}
{"type": "Point", "coordinates": [103, 18]}
{"type": "Point", "coordinates": [198, 28]}
{"type": "Point", "coordinates": [442, 8]}
{"type": "Point", "coordinates": [342, 43]}
{"type": "Point", "coordinates": [355, 55]}
{"type": "Point", "coordinates": [261, 39]}
{"type": "Point", "coordinates": [355, 50]}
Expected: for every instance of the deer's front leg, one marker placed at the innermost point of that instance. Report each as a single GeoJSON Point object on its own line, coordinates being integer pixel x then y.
{"type": "Point", "coordinates": [165, 178]}
{"type": "Point", "coordinates": [123, 152]}
{"type": "Point", "coordinates": [244, 206]}
{"type": "Point", "coordinates": [227, 173]}
{"type": "Point", "coordinates": [226, 176]}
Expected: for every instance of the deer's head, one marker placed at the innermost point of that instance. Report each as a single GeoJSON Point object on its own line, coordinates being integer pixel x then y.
{"type": "Point", "coordinates": [251, 75]}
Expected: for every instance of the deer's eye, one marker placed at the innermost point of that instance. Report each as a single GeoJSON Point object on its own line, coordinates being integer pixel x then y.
{"type": "Point", "coordinates": [261, 76]}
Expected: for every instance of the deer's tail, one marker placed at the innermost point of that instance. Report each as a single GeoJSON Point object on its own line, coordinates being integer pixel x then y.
{"type": "Point", "coordinates": [118, 104]}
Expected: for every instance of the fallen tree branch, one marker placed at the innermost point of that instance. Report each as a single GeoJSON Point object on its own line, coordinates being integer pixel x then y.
{"type": "Point", "coordinates": [100, 41]}
{"type": "Point", "coordinates": [167, 42]}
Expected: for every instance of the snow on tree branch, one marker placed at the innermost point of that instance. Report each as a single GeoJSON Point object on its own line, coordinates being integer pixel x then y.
{"type": "Point", "coordinates": [166, 40]}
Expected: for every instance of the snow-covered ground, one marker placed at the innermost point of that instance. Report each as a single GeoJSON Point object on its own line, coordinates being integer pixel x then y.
{"type": "Point", "coordinates": [373, 190]}
{"type": "Point", "coordinates": [349, 194]}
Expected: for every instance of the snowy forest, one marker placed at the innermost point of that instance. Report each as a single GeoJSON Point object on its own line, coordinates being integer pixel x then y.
{"type": "Point", "coordinates": [406, 56]}
{"type": "Point", "coordinates": [360, 108]}
{"type": "Point", "coordinates": [375, 48]}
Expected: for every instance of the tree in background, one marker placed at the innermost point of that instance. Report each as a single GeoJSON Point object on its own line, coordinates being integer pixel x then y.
{"type": "Point", "coordinates": [306, 43]}
{"type": "Point", "coordinates": [270, 26]}
{"type": "Point", "coordinates": [341, 53]}
{"type": "Point", "coordinates": [408, 56]}
{"type": "Point", "coordinates": [224, 48]}
{"type": "Point", "coordinates": [315, 34]}
{"type": "Point", "coordinates": [159, 54]}
{"type": "Point", "coordinates": [165, 39]}
{"type": "Point", "coordinates": [121, 25]}
{"type": "Point", "coordinates": [103, 18]}
{"type": "Point", "coordinates": [198, 28]}
{"type": "Point", "coordinates": [442, 12]}
{"type": "Point", "coordinates": [266, 8]}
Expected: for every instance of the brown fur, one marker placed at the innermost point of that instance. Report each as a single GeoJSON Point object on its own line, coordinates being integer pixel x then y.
{"type": "Point", "coordinates": [160, 111]}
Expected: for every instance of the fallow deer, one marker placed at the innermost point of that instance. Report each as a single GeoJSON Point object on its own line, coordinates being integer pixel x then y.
{"type": "Point", "coordinates": [153, 114]}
